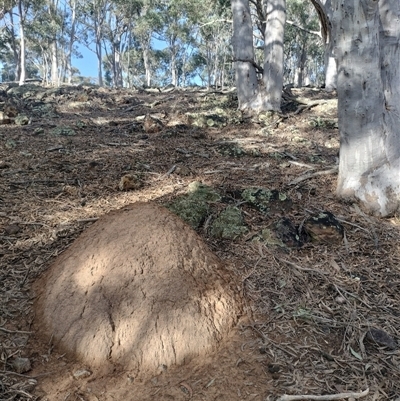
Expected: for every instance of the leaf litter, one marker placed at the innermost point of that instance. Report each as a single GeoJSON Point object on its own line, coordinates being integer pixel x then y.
{"type": "Point", "coordinates": [322, 318]}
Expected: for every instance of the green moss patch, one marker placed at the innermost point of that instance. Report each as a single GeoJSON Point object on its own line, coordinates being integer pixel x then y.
{"type": "Point", "coordinates": [229, 224]}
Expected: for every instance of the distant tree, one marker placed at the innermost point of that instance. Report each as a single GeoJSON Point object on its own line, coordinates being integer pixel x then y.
{"type": "Point", "coordinates": [251, 94]}
{"type": "Point", "coordinates": [213, 42]}
{"type": "Point", "coordinates": [93, 15]}
{"type": "Point", "coordinates": [22, 8]}
{"type": "Point", "coordinates": [325, 13]}
{"type": "Point", "coordinates": [304, 61]}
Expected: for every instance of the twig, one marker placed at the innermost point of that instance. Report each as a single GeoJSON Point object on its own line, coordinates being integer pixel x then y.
{"type": "Point", "coordinates": [14, 331]}
{"type": "Point", "coordinates": [311, 175]}
{"type": "Point", "coordinates": [324, 397]}
{"type": "Point", "coordinates": [87, 220]}
{"type": "Point", "coordinates": [302, 164]}
{"type": "Point", "coordinates": [170, 171]}
{"type": "Point", "coordinates": [8, 373]}
{"type": "Point", "coordinates": [303, 269]}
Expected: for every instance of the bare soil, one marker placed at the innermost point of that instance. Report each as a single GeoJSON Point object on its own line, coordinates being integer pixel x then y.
{"type": "Point", "coordinates": [318, 319]}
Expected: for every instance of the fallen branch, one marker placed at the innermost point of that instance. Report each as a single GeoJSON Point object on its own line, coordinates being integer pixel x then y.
{"type": "Point", "coordinates": [302, 269]}
{"type": "Point", "coordinates": [89, 220]}
{"type": "Point", "coordinates": [311, 175]}
{"type": "Point", "coordinates": [4, 330]}
{"type": "Point", "coordinates": [328, 397]}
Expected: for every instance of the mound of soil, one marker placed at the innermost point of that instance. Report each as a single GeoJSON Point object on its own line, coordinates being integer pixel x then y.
{"type": "Point", "coordinates": [138, 290]}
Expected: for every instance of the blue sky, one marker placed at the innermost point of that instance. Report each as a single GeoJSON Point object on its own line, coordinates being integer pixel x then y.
{"type": "Point", "coordinates": [88, 64]}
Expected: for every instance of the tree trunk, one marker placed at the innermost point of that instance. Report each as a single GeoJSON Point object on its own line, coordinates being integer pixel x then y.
{"type": "Point", "coordinates": [71, 41]}
{"type": "Point", "coordinates": [330, 68]}
{"type": "Point", "coordinates": [116, 64]}
{"type": "Point", "coordinates": [324, 11]}
{"type": "Point", "coordinates": [22, 69]}
{"type": "Point", "coordinates": [99, 63]}
{"type": "Point", "coordinates": [246, 77]}
{"type": "Point", "coordinates": [299, 81]}
{"type": "Point", "coordinates": [275, 11]}
{"type": "Point", "coordinates": [368, 40]}
{"type": "Point", "coordinates": [146, 61]}
{"type": "Point", "coordinates": [15, 50]}
{"type": "Point", "coordinates": [54, 63]}
{"type": "Point", "coordinates": [174, 74]}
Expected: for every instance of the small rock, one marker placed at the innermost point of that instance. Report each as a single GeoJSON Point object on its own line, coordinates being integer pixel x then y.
{"type": "Point", "coordinates": [152, 125]}
{"type": "Point", "coordinates": [11, 111]}
{"type": "Point", "coordinates": [4, 118]}
{"type": "Point", "coordinates": [82, 373]}
{"type": "Point", "coordinates": [382, 338]}
{"type": "Point", "coordinates": [38, 131]}
{"type": "Point", "coordinates": [340, 300]}
{"type": "Point", "coordinates": [21, 119]}
{"type": "Point", "coordinates": [183, 171]}
{"type": "Point", "coordinates": [4, 165]}
{"type": "Point", "coordinates": [12, 229]}
{"type": "Point", "coordinates": [130, 181]}
{"type": "Point", "coordinates": [21, 365]}
{"type": "Point", "coordinates": [63, 131]}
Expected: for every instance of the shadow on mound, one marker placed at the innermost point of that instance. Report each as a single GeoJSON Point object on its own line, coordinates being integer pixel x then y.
{"type": "Point", "coordinates": [138, 290]}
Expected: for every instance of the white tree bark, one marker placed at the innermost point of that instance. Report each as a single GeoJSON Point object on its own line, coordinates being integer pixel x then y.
{"type": "Point", "coordinates": [368, 54]}
{"type": "Point", "coordinates": [275, 11]}
{"type": "Point", "coordinates": [324, 11]}
{"type": "Point", "coordinates": [246, 77]}
{"type": "Point", "coordinates": [72, 5]}
{"type": "Point", "coordinates": [22, 66]}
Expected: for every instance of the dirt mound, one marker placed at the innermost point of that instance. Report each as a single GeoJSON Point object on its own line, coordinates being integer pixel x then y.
{"type": "Point", "coordinates": [139, 290]}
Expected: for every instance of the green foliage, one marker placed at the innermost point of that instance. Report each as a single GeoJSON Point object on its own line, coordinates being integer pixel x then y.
{"type": "Point", "coordinates": [304, 52]}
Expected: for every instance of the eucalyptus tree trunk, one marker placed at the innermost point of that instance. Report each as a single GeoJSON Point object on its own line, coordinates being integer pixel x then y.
{"type": "Point", "coordinates": [14, 47]}
{"type": "Point", "coordinates": [54, 63]}
{"type": "Point", "coordinates": [246, 76]}
{"type": "Point", "coordinates": [251, 95]}
{"type": "Point", "coordinates": [72, 5]}
{"type": "Point", "coordinates": [174, 72]}
{"type": "Point", "coordinates": [116, 63]}
{"type": "Point", "coordinates": [324, 11]}
{"type": "Point", "coordinates": [275, 12]}
{"type": "Point", "coordinates": [146, 61]}
{"type": "Point", "coordinates": [368, 55]}
{"type": "Point", "coordinates": [22, 66]}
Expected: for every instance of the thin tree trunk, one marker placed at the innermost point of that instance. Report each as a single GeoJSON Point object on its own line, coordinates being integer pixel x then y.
{"type": "Point", "coordinates": [71, 42]}
{"type": "Point", "coordinates": [174, 75]}
{"type": "Point", "coordinates": [246, 77]}
{"type": "Point", "coordinates": [54, 63]}
{"type": "Point", "coordinates": [275, 11]}
{"type": "Point", "coordinates": [147, 66]}
{"type": "Point", "coordinates": [99, 63]}
{"type": "Point", "coordinates": [22, 71]}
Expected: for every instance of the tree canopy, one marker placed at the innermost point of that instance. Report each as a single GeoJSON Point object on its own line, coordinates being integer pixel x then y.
{"type": "Point", "coordinates": [145, 42]}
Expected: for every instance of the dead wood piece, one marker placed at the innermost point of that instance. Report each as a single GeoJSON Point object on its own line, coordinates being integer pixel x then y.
{"type": "Point", "coordinates": [89, 220]}
{"type": "Point", "coordinates": [302, 165]}
{"type": "Point", "coordinates": [14, 331]}
{"type": "Point", "coordinates": [303, 269]}
{"type": "Point", "coordinates": [170, 171]}
{"type": "Point", "coordinates": [327, 397]}
{"type": "Point", "coordinates": [311, 175]}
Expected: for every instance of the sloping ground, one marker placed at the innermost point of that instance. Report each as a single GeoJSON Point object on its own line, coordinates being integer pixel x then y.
{"type": "Point", "coordinates": [321, 319]}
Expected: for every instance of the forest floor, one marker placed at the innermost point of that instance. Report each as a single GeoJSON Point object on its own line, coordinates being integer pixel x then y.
{"type": "Point", "coordinates": [322, 318]}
